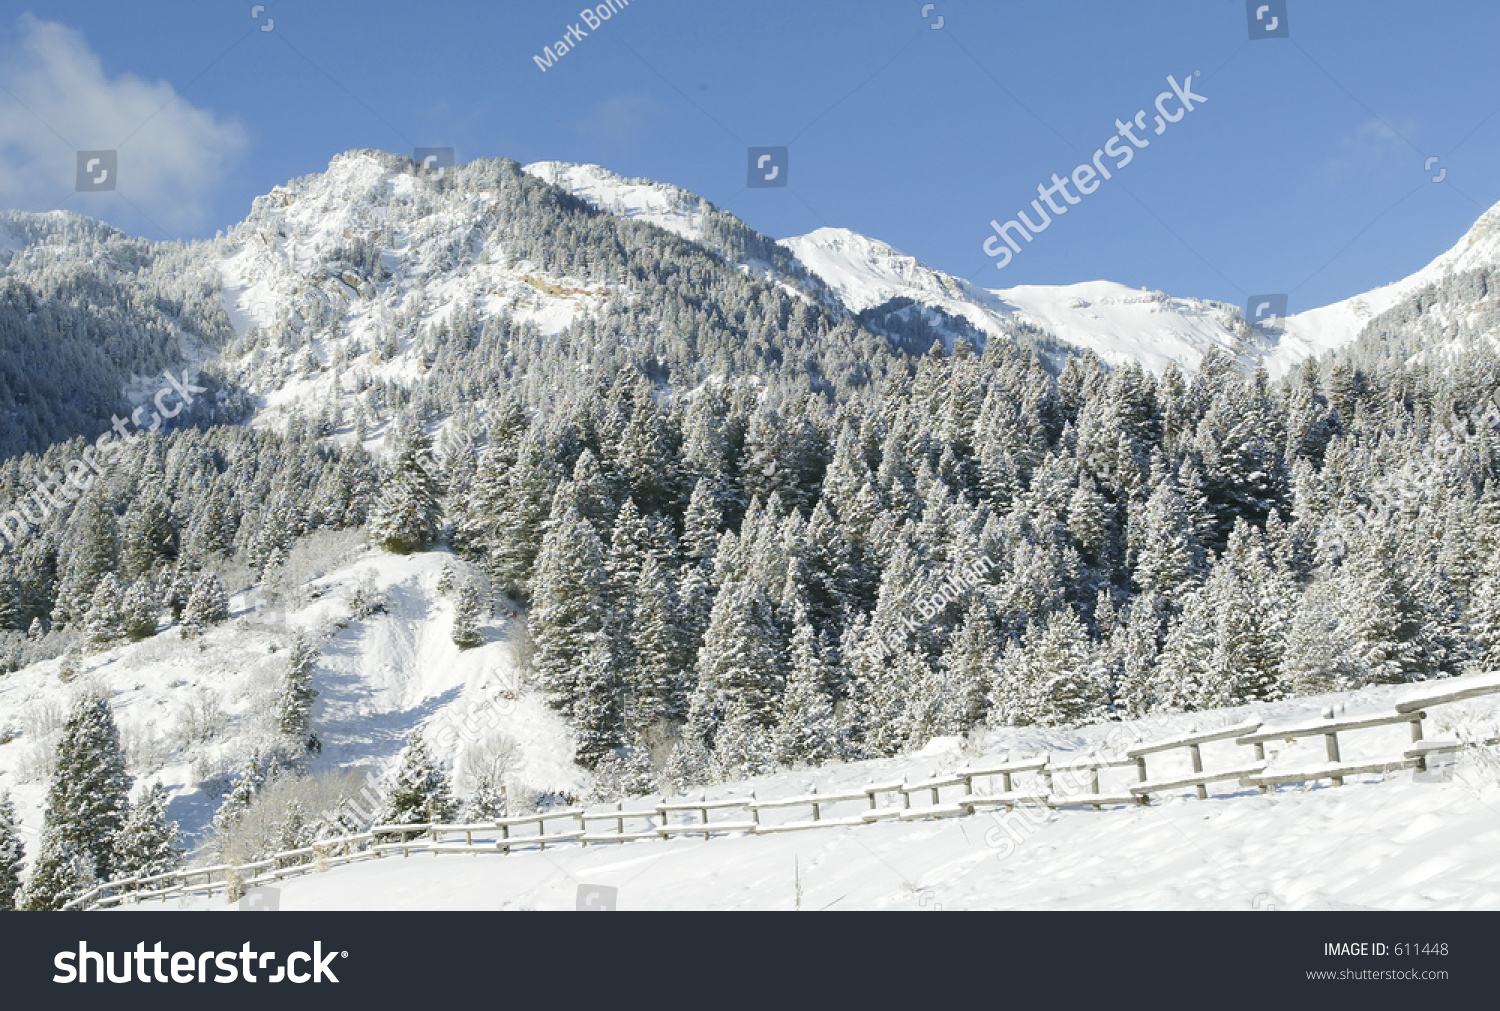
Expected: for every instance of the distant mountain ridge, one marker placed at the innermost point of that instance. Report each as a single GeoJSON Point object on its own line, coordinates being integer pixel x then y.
{"type": "Point", "coordinates": [1115, 321]}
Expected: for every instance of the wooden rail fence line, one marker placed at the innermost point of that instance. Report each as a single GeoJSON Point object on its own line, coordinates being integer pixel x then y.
{"type": "Point", "coordinates": [875, 801]}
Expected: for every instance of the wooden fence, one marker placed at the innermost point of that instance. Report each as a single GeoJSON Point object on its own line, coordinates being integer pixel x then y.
{"type": "Point", "coordinates": [1029, 781]}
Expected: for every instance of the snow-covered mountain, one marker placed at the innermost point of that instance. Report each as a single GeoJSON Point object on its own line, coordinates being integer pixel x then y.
{"type": "Point", "coordinates": [1118, 323]}
{"type": "Point", "coordinates": [1115, 321]}
{"type": "Point", "coordinates": [660, 204]}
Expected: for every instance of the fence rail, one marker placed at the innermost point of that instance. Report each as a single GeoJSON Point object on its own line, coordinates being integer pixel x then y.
{"type": "Point", "coordinates": [877, 802]}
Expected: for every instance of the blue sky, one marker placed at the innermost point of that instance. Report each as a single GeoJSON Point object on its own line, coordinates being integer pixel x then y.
{"type": "Point", "coordinates": [1304, 172]}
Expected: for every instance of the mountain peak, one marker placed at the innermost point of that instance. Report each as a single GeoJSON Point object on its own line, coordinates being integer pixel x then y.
{"type": "Point", "coordinates": [662, 204]}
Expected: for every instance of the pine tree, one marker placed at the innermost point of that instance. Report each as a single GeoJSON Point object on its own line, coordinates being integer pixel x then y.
{"type": "Point", "coordinates": [1185, 671]}
{"type": "Point", "coordinates": [59, 874]}
{"type": "Point", "coordinates": [408, 511]}
{"type": "Point", "coordinates": [804, 730]}
{"type": "Point", "coordinates": [148, 841]}
{"type": "Point", "coordinates": [1050, 675]}
{"type": "Point", "coordinates": [419, 794]}
{"type": "Point", "coordinates": [1250, 605]}
{"type": "Point", "coordinates": [1169, 557]}
{"type": "Point", "coordinates": [514, 532]}
{"type": "Point", "coordinates": [470, 611]}
{"type": "Point", "coordinates": [597, 710]}
{"type": "Point", "coordinates": [141, 609]}
{"type": "Point", "coordinates": [105, 621]}
{"type": "Point", "coordinates": [12, 854]}
{"type": "Point", "coordinates": [93, 552]}
{"type": "Point", "coordinates": [657, 679]}
{"type": "Point", "coordinates": [569, 605]}
{"type": "Point", "coordinates": [486, 802]}
{"type": "Point", "coordinates": [207, 604]}
{"type": "Point", "coordinates": [967, 668]}
{"type": "Point", "coordinates": [740, 659]}
{"type": "Point", "coordinates": [149, 536]}
{"type": "Point", "coordinates": [742, 743]}
{"type": "Point", "coordinates": [295, 701]}
{"type": "Point", "coordinates": [86, 806]}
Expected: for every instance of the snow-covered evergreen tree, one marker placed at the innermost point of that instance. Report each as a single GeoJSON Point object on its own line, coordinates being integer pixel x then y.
{"type": "Point", "coordinates": [147, 842]}
{"type": "Point", "coordinates": [295, 701]}
{"type": "Point", "coordinates": [569, 602]}
{"type": "Point", "coordinates": [408, 511]}
{"type": "Point", "coordinates": [141, 609]}
{"type": "Point", "coordinates": [419, 793]}
{"type": "Point", "coordinates": [207, 604]}
{"type": "Point", "coordinates": [804, 729]}
{"type": "Point", "coordinates": [86, 805]}
{"type": "Point", "coordinates": [12, 854]}
{"type": "Point", "coordinates": [470, 610]}
{"type": "Point", "coordinates": [105, 621]}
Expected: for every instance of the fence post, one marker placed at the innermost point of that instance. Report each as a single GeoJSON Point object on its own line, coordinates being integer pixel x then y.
{"type": "Point", "coordinates": [1198, 767]}
{"type": "Point", "coordinates": [1332, 740]}
{"type": "Point", "coordinates": [619, 822]}
{"type": "Point", "coordinates": [754, 813]}
{"type": "Point", "coordinates": [706, 833]}
{"type": "Point", "coordinates": [1260, 756]}
{"type": "Point", "coordinates": [1416, 735]}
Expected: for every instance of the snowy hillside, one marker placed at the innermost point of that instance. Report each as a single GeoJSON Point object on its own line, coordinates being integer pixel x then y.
{"type": "Point", "coordinates": [336, 261]}
{"type": "Point", "coordinates": [1334, 326]}
{"type": "Point", "coordinates": [191, 710]}
{"type": "Point", "coordinates": [1392, 841]}
{"type": "Point", "coordinates": [660, 204]}
{"type": "Point", "coordinates": [1117, 322]}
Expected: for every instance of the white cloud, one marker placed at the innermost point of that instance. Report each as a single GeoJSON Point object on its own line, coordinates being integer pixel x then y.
{"type": "Point", "coordinates": [57, 100]}
{"type": "Point", "coordinates": [1376, 143]}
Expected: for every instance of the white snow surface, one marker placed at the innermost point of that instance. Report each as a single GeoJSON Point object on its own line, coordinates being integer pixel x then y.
{"type": "Point", "coordinates": [660, 204]}
{"type": "Point", "coordinates": [275, 270]}
{"type": "Point", "coordinates": [378, 679]}
{"type": "Point", "coordinates": [1379, 842]}
{"type": "Point", "coordinates": [1331, 327]}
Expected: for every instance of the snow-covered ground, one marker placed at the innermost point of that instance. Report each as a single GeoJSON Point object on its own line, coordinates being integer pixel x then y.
{"type": "Point", "coordinates": [189, 711]}
{"type": "Point", "coordinates": [1394, 841]}
{"type": "Point", "coordinates": [661, 204]}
